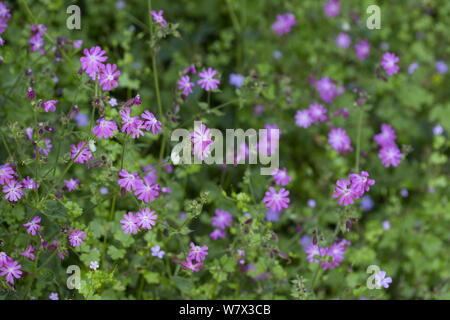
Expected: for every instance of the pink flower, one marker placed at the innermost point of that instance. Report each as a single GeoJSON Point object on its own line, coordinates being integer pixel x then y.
{"type": "Point", "coordinates": [339, 140]}
{"type": "Point", "coordinates": [389, 63]}
{"type": "Point", "coordinates": [197, 253]}
{"type": "Point", "coordinates": [129, 123]}
{"type": "Point", "coordinates": [217, 233]}
{"type": "Point", "coordinates": [185, 85]}
{"type": "Point", "coordinates": [130, 223]}
{"type": "Point", "coordinates": [343, 40]}
{"type": "Point", "coordinates": [128, 180]}
{"type": "Point", "coordinates": [6, 173]}
{"type": "Point", "coordinates": [146, 191]}
{"type": "Point", "coordinates": [28, 253]}
{"type": "Point", "coordinates": [303, 118]}
{"type": "Point", "coordinates": [146, 218]}
{"type": "Point", "coordinates": [207, 81]}
{"type": "Point", "coordinates": [80, 153]}
{"type": "Point", "coordinates": [326, 89]}
{"type": "Point", "coordinates": [332, 8]}
{"type": "Point", "coordinates": [201, 138]}
{"type": "Point", "coordinates": [48, 146]}
{"type": "Point", "coordinates": [158, 18]}
{"type": "Point", "coordinates": [11, 270]}
{"type": "Point", "coordinates": [361, 182]}
{"type": "Point", "coordinates": [317, 112]}
{"type": "Point", "coordinates": [281, 177]}
{"type": "Point", "coordinates": [4, 258]}
{"type": "Point", "coordinates": [284, 23]}
{"type": "Point", "coordinates": [29, 183]}
{"type": "Point", "coordinates": [104, 129]}
{"type": "Point", "coordinates": [386, 137]}
{"type": "Point", "coordinates": [390, 155]}
{"type": "Point", "coordinates": [77, 44]}
{"type": "Point", "coordinates": [312, 251]}
{"type": "Point", "coordinates": [33, 226]}
{"type": "Point", "coordinates": [93, 59]}
{"type": "Point", "coordinates": [346, 194]}
{"type": "Point", "coordinates": [108, 76]}
{"type": "Point", "coordinates": [188, 265]}
{"type": "Point", "coordinates": [50, 105]}
{"type": "Point", "coordinates": [336, 252]}
{"type": "Point", "coordinates": [37, 44]}
{"type": "Point", "coordinates": [222, 219]}
{"type": "Point", "coordinates": [138, 131]}
{"type": "Point", "coordinates": [72, 184]}
{"type": "Point", "coordinates": [38, 29]}
{"type": "Point", "coordinates": [13, 191]}
{"type": "Point", "coordinates": [151, 122]}
{"type": "Point", "coordinates": [362, 49]}
{"type": "Point", "coordinates": [76, 238]}
{"type": "Point", "coordinates": [276, 201]}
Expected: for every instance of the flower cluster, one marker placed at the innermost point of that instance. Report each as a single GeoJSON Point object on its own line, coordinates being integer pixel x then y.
{"type": "Point", "coordinates": [221, 221]}
{"type": "Point", "coordinates": [36, 41]}
{"type": "Point", "coordinates": [11, 187]}
{"type": "Point", "coordinates": [134, 125]}
{"type": "Point", "coordinates": [194, 258]}
{"type": "Point", "coordinates": [144, 219]}
{"type": "Point", "coordinates": [389, 152]}
{"type": "Point", "coordinates": [316, 112]}
{"type": "Point", "coordinates": [349, 190]}
{"type": "Point", "coordinates": [144, 189]}
{"type": "Point", "coordinates": [93, 64]}
{"type": "Point", "coordinates": [5, 15]}
{"type": "Point", "coordinates": [284, 23]}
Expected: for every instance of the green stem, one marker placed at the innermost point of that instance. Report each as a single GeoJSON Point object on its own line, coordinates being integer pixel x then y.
{"type": "Point", "coordinates": [358, 139]}
{"type": "Point", "coordinates": [111, 213]}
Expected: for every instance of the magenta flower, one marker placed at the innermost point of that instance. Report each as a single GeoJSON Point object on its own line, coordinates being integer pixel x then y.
{"type": "Point", "coordinates": [33, 226]}
{"type": "Point", "coordinates": [146, 218]}
{"type": "Point", "coordinates": [188, 265]}
{"type": "Point", "coordinates": [38, 29]}
{"type": "Point", "coordinates": [313, 251]}
{"type": "Point", "coordinates": [93, 59]}
{"type": "Point", "coordinates": [326, 89]}
{"type": "Point", "coordinates": [76, 238]}
{"type": "Point", "coordinates": [72, 184]}
{"type": "Point", "coordinates": [217, 233]}
{"type": "Point", "coordinates": [346, 194]}
{"type": "Point", "coordinates": [185, 85]}
{"type": "Point", "coordinates": [281, 177]}
{"type": "Point", "coordinates": [6, 173]}
{"type": "Point", "coordinates": [158, 18]}
{"type": "Point", "coordinates": [387, 136]}
{"type": "Point", "coordinates": [276, 201]}
{"type": "Point", "coordinates": [284, 23]}
{"type": "Point", "coordinates": [104, 129]}
{"type": "Point", "coordinates": [108, 76]}
{"type": "Point", "coordinates": [29, 184]}
{"type": "Point", "coordinates": [13, 190]}
{"type": "Point", "coordinates": [4, 258]}
{"type": "Point", "coordinates": [80, 153]}
{"type": "Point", "coordinates": [50, 105]}
{"type": "Point", "coordinates": [390, 156]}
{"type": "Point", "coordinates": [28, 253]}
{"type": "Point", "coordinates": [146, 191]}
{"type": "Point", "coordinates": [222, 219]}
{"type": "Point", "coordinates": [151, 122]}
{"type": "Point", "coordinates": [317, 112]}
{"type": "Point", "coordinates": [389, 63]}
{"type": "Point", "coordinates": [332, 8]}
{"type": "Point", "coordinates": [128, 180]}
{"type": "Point", "coordinates": [361, 182]}
{"type": "Point", "coordinates": [129, 123]}
{"type": "Point", "coordinates": [207, 81]}
{"type": "Point", "coordinates": [339, 140]}
{"type": "Point", "coordinates": [197, 253]}
{"type": "Point", "coordinates": [130, 223]}
{"type": "Point", "coordinates": [336, 252]}
{"type": "Point", "coordinates": [343, 40]}
{"type": "Point", "coordinates": [48, 146]}
{"type": "Point", "coordinates": [11, 270]}
{"type": "Point", "coordinates": [362, 49]}
{"type": "Point", "coordinates": [77, 44]}
{"type": "Point", "coordinates": [303, 118]}
{"type": "Point", "coordinates": [37, 44]}
{"type": "Point", "coordinates": [139, 130]}
{"type": "Point", "coordinates": [201, 138]}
